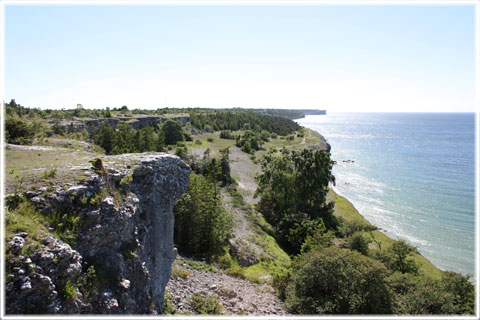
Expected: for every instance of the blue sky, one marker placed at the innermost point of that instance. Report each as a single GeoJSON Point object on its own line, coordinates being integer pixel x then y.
{"type": "Point", "coordinates": [340, 58]}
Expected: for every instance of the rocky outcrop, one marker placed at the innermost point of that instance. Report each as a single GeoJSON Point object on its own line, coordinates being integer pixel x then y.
{"type": "Point", "coordinates": [119, 260]}
{"type": "Point", "coordinates": [136, 122]}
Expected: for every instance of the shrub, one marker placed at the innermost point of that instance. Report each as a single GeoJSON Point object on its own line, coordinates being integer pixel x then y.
{"type": "Point", "coordinates": [69, 292]}
{"type": "Point", "coordinates": [338, 281]}
{"type": "Point", "coordinates": [359, 242]}
{"type": "Point", "coordinates": [205, 305]}
{"type": "Point", "coordinates": [49, 173]}
{"type": "Point", "coordinates": [18, 130]}
{"type": "Point", "coordinates": [168, 307]}
{"type": "Point", "coordinates": [225, 134]}
{"type": "Point", "coordinates": [180, 273]}
{"type": "Point", "coordinates": [414, 294]}
{"type": "Point", "coordinates": [187, 136]}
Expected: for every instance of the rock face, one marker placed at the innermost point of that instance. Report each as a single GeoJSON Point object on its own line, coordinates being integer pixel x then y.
{"type": "Point", "coordinates": [137, 122]}
{"type": "Point", "coordinates": [124, 233]}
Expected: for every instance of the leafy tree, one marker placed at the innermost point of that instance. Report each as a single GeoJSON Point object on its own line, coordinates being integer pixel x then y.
{"type": "Point", "coordinates": [172, 131]}
{"type": "Point", "coordinates": [293, 189]}
{"type": "Point", "coordinates": [338, 281]}
{"type": "Point", "coordinates": [400, 251]}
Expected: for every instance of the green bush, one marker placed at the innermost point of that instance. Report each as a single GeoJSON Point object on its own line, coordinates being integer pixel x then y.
{"type": "Point", "coordinates": [180, 273]}
{"type": "Point", "coordinates": [49, 173]}
{"type": "Point", "coordinates": [18, 130]}
{"type": "Point", "coordinates": [338, 281]}
{"type": "Point", "coordinates": [69, 292]}
{"type": "Point", "coordinates": [359, 242]}
{"type": "Point", "coordinates": [415, 294]}
{"type": "Point", "coordinates": [205, 305]}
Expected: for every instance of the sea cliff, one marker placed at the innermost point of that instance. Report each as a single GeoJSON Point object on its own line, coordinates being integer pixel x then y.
{"type": "Point", "coordinates": [115, 255]}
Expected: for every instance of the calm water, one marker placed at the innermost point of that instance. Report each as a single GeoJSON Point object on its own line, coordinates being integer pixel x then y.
{"type": "Point", "coordinates": [413, 175]}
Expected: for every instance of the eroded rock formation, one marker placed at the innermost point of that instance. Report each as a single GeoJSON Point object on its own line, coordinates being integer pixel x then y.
{"type": "Point", "coordinates": [119, 261]}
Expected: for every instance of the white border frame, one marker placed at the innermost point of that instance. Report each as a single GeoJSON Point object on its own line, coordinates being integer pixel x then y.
{"type": "Point", "coordinates": [475, 3]}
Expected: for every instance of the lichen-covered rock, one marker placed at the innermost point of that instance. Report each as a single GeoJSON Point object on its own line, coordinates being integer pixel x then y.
{"type": "Point", "coordinates": [120, 260]}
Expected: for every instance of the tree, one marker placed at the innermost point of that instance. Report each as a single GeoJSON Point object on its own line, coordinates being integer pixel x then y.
{"type": "Point", "coordinates": [172, 131]}
{"type": "Point", "coordinates": [105, 137]}
{"type": "Point", "coordinates": [400, 251]}
{"type": "Point", "coordinates": [293, 189]}
{"type": "Point", "coordinates": [338, 281]}
{"type": "Point", "coordinates": [225, 175]}
{"type": "Point", "coordinates": [202, 226]}
{"type": "Point", "coordinates": [108, 114]}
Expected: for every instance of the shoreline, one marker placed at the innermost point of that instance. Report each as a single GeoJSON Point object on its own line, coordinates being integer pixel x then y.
{"type": "Point", "coordinates": [345, 209]}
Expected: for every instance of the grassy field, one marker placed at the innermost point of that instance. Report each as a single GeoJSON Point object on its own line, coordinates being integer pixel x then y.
{"type": "Point", "coordinates": [28, 168]}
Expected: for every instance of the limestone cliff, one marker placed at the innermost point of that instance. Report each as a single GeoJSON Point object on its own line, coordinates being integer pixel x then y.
{"type": "Point", "coordinates": [121, 244]}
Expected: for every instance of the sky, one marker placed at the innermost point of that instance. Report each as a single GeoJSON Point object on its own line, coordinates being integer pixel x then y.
{"type": "Point", "coordinates": [403, 58]}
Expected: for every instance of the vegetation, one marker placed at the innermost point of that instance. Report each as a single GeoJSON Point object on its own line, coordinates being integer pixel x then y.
{"type": "Point", "coordinates": [205, 304]}
{"type": "Point", "coordinates": [172, 132]}
{"type": "Point", "coordinates": [337, 262]}
{"type": "Point", "coordinates": [202, 226]}
{"type": "Point", "coordinates": [338, 281]}
{"type": "Point", "coordinates": [238, 119]}
{"type": "Point", "coordinates": [293, 189]}
{"type": "Point", "coordinates": [125, 139]}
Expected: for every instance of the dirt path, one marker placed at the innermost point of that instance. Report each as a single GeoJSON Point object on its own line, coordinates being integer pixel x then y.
{"type": "Point", "coordinates": [244, 172]}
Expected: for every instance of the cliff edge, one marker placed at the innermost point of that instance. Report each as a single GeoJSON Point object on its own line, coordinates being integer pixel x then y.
{"type": "Point", "coordinates": [101, 247]}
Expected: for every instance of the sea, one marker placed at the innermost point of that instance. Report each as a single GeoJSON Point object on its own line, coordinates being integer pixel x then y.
{"type": "Point", "coordinates": [410, 174]}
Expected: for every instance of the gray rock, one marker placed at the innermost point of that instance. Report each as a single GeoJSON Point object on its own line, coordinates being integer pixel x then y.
{"type": "Point", "coordinates": [244, 254]}
{"type": "Point", "coordinates": [16, 243]}
{"type": "Point", "coordinates": [130, 237]}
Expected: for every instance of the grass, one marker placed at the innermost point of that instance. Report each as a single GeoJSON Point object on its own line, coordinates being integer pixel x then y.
{"type": "Point", "coordinates": [215, 143]}
{"type": "Point", "coordinates": [180, 273]}
{"type": "Point", "coordinates": [274, 261]}
{"type": "Point", "coordinates": [196, 265]}
{"type": "Point", "coordinates": [24, 218]}
{"type": "Point", "coordinates": [346, 210]}
{"type": "Point", "coordinates": [31, 169]}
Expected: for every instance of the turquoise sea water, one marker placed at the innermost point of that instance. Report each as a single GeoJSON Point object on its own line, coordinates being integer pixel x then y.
{"type": "Point", "coordinates": [413, 175]}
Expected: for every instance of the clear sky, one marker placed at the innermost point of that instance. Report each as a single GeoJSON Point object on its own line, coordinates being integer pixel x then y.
{"type": "Point", "coordinates": [339, 58]}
